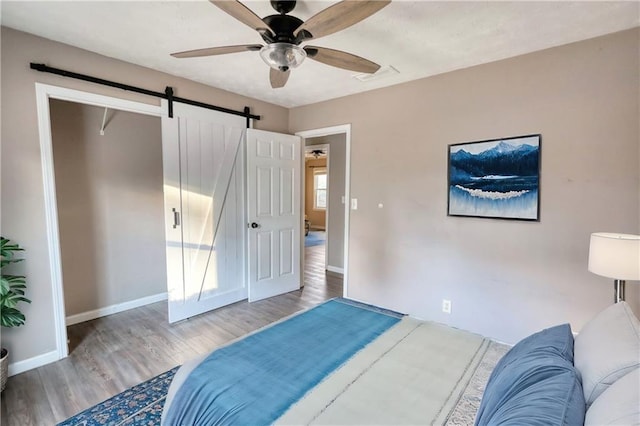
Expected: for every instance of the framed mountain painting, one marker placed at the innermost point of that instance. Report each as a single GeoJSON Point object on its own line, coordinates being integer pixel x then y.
{"type": "Point", "coordinates": [498, 178]}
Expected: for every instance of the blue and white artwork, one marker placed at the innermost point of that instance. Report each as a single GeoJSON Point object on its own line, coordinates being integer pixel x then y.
{"type": "Point", "coordinates": [498, 178]}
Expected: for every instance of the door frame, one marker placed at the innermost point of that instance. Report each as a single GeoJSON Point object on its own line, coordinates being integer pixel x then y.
{"type": "Point", "coordinates": [328, 131]}
{"type": "Point", "coordinates": [44, 93]}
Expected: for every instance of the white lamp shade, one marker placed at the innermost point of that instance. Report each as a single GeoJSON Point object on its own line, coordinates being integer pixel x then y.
{"type": "Point", "coordinates": [615, 256]}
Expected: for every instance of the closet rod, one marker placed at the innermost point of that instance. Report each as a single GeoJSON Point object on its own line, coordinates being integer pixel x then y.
{"type": "Point", "coordinates": [168, 94]}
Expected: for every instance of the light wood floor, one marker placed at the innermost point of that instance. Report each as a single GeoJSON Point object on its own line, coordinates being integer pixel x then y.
{"type": "Point", "coordinates": [111, 354]}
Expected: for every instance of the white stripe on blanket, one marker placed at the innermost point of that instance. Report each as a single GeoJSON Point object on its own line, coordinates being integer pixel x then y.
{"type": "Point", "coordinates": [412, 374]}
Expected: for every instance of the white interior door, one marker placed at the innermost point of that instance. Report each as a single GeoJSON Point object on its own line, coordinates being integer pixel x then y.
{"type": "Point", "coordinates": [204, 209]}
{"type": "Point", "coordinates": [274, 213]}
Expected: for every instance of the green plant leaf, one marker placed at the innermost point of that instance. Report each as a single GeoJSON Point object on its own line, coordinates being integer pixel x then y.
{"type": "Point", "coordinates": [10, 284]}
{"type": "Point", "coordinates": [12, 287]}
{"type": "Point", "coordinates": [11, 317]}
{"type": "Point", "coordinates": [7, 248]}
{"type": "Point", "coordinates": [15, 278]}
{"type": "Point", "coordinates": [12, 300]}
{"type": "Point", "coordinates": [4, 286]}
{"type": "Point", "coordinates": [6, 262]}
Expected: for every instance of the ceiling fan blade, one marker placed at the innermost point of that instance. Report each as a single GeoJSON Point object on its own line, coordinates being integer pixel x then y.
{"type": "Point", "coordinates": [340, 59]}
{"type": "Point", "coordinates": [243, 14]}
{"type": "Point", "coordinates": [278, 78]}
{"type": "Point", "coordinates": [338, 17]}
{"type": "Point", "coordinates": [211, 51]}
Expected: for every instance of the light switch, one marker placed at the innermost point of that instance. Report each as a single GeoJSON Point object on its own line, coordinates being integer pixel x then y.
{"type": "Point", "coordinates": [343, 199]}
{"type": "Point", "coordinates": [354, 204]}
{"type": "Point", "coordinates": [380, 205]}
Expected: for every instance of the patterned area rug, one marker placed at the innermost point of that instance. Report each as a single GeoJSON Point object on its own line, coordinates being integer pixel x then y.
{"type": "Point", "coordinates": [464, 412]}
{"type": "Point", "coordinates": [139, 405]}
{"type": "Point", "coordinates": [143, 404]}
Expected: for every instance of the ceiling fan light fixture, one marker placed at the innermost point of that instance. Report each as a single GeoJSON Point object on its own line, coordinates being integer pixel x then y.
{"type": "Point", "coordinates": [282, 56]}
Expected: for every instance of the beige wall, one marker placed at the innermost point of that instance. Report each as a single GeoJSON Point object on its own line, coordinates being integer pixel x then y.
{"type": "Point", "coordinates": [22, 195]}
{"type": "Point", "coordinates": [317, 217]}
{"type": "Point", "coordinates": [505, 279]}
{"type": "Point", "coordinates": [337, 171]}
{"type": "Point", "coordinates": [110, 205]}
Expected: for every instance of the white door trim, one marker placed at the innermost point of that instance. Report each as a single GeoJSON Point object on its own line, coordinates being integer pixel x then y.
{"type": "Point", "coordinates": [44, 92]}
{"type": "Point", "coordinates": [333, 130]}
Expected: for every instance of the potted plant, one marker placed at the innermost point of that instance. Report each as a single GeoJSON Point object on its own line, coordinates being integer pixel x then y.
{"type": "Point", "coordinates": [12, 292]}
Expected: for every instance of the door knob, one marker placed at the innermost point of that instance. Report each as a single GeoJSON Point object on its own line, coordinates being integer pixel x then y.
{"type": "Point", "coordinates": [254, 225]}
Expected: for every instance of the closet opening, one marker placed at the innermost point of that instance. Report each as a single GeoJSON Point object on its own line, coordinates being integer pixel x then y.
{"type": "Point", "coordinates": [107, 165]}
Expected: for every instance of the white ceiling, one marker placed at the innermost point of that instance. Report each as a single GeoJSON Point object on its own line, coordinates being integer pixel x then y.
{"type": "Point", "coordinates": [418, 38]}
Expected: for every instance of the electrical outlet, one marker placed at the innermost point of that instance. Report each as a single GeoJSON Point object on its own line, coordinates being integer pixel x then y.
{"type": "Point", "coordinates": [446, 306]}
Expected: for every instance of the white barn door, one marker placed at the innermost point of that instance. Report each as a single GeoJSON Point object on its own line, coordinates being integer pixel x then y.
{"type": "Point", "coordinates": [203, 161]}
{"type": "Point", "coordinates": [274, 213]}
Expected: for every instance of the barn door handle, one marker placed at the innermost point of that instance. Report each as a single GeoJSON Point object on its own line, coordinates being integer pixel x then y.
{"type": "Point", "coordinates": [176, 218]}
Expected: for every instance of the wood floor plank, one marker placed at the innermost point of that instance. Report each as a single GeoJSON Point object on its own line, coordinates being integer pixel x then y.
{"type": "Point", "coordinates": [27, 401]}
{"type": "Point", "coordinates": [113, 353]}
{"type": "Point", "coordinates": [69, 386]}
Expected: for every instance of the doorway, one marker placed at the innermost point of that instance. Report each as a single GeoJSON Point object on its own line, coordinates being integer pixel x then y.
{"type": "Point", "coordinates": [326, 195]}
{"type": "Point", "coordinates": [108, 178]}
{"type": "Point", "coordinates": [316, 190]}
{"type": "Point", "coordinates": [44, 93]}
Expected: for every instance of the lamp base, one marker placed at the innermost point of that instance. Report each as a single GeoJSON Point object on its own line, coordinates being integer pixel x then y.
{"type": "Point", "coordinates": [618, 288]}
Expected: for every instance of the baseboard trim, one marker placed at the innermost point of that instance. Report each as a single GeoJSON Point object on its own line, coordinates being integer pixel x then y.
{"type": "Point", "coordinates": [31, 363]}
{"type": "Point", "coordinates": [335, 269]}
{"type": "Point", "coordinates": [114, 309]}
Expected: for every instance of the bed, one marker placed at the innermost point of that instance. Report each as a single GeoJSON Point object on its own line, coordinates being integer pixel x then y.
{"type": "Point", "coordinates": [348, 363]}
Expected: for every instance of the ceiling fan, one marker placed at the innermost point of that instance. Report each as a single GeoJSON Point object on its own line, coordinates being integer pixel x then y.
{"type": "Point", "coordinates": [284, 33]}
{"type": "Point", "coordinates": [317, 152]}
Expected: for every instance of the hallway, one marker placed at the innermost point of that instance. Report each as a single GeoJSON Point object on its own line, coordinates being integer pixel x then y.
{"type": "Point", "coordinates": [316, 279]}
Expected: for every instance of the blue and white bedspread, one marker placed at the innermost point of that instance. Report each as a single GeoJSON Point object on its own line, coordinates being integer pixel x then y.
{"type": "Point", "coordinates": [255, 380]}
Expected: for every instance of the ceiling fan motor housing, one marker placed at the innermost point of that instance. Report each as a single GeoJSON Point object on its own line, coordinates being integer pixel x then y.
{"type": "Point", "coordinates": [283, 27]}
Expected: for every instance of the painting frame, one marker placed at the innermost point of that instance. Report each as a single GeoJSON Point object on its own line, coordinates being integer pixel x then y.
{"type": "Point", "coordinates": [495, 178]}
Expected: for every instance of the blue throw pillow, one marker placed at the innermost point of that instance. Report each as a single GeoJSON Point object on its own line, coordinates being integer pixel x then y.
{"type": "Point", "coordinates": [556, 340]}
{"type": "Point", "coordinates": [550, 399]}
{"type": "Point", "coordinates": [535, 383]}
